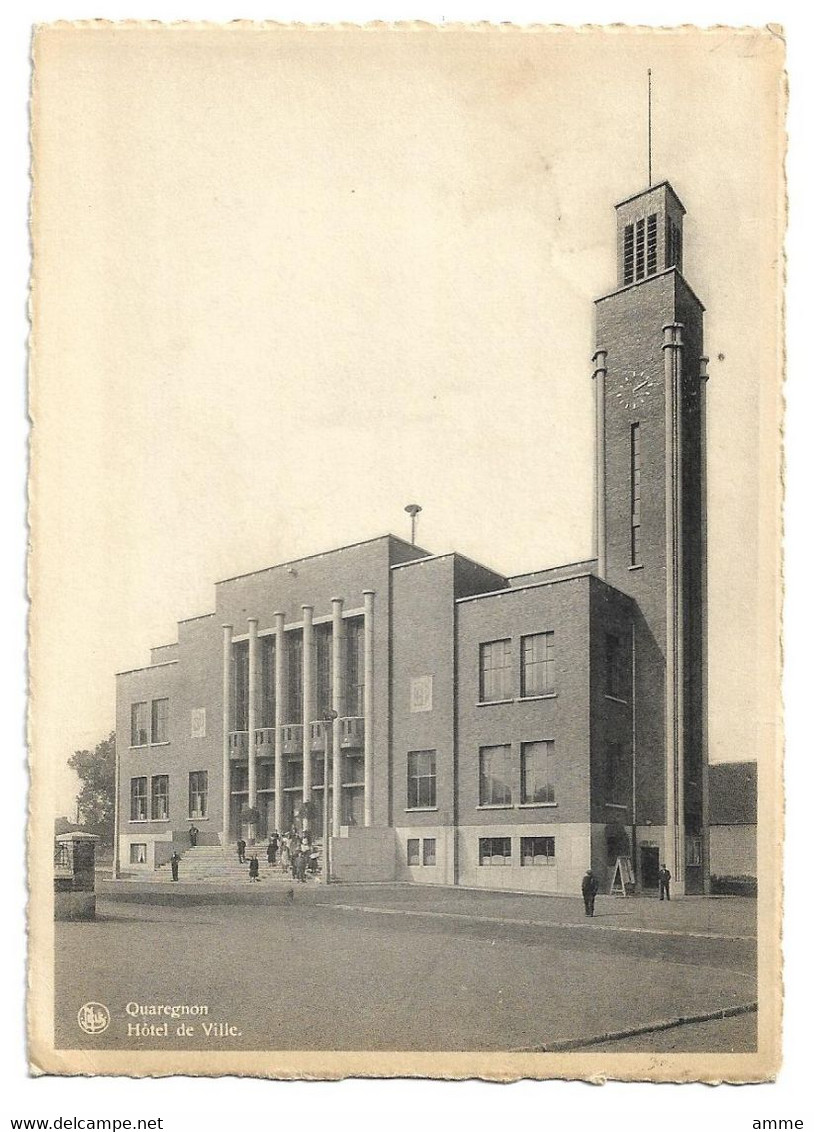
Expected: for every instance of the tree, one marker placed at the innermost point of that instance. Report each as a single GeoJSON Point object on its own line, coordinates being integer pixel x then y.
{"type": "Point", "coordinates": [97, 795]}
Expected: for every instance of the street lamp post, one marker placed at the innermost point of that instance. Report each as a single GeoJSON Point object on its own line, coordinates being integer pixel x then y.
{"type": "Point", "coordinates": [326, 797]}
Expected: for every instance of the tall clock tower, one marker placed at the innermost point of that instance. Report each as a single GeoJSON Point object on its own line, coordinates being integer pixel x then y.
{"type": "Point", "coordinates": [650, 381]}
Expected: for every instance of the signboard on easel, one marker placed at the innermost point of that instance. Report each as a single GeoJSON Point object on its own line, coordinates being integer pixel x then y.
{"type": "Point", "coordinates": [623, 881]}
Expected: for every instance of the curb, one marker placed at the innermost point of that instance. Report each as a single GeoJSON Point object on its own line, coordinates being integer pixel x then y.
{"type": "Point", "coordinates": [648, 1028]}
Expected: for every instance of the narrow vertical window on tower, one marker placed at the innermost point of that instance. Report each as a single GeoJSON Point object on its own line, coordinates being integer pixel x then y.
{"type": "Point", "coordinates": [635, 495]}
{"type": "Point", "coordinates": [651, 244]}
{"type": "Point", "coordinates": [628, 255]}
{"type": "Point", "coordinates": [640, 249]}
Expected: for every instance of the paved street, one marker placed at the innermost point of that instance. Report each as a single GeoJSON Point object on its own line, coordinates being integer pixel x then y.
{"type": "Point", "coordinates": [400, 968]}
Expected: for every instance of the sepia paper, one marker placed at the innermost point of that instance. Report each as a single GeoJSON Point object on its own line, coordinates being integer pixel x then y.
{"type": "Point", "coordinates": [287, 281]}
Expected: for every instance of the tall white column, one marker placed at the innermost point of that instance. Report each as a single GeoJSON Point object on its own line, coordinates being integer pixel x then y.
{"type": "Point", "coordinates": [227, 726]}
{"type": "Point", "coordinates": [600, 535]}
{"type": "Point", "coordinates": [369, 596]}
{"type": "Point", "coordinates": [279, 716]}
{"type": "Point", "coordinates": [674, 674]}
{"type": "Point", "coordinates": [337, 700]}
{"type": "Point", "coordinates": [251, 745]}
{"type": "Point", "coordinates": [307, 700]}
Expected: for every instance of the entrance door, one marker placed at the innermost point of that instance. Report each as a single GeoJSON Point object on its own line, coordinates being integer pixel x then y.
{"type": "Point", "coordinates": [650, 866]}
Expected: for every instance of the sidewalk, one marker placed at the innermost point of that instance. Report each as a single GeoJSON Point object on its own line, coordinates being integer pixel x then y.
{"type": "Point", "coordinates": [730, 918]}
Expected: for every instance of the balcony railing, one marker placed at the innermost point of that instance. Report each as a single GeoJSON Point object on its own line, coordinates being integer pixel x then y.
{"type": "Point", "coordinates": [239, 745]}
{"type": "Point", "coordinates": [264, 740]}
{"type": "Point", "coordinates": [351, 731]}
{"type": "Point", "coordinates": [318, 735]}
{"type": "Point", "coordinates": [292, 739]}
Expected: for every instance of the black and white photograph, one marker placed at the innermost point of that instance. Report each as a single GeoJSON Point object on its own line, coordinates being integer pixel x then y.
{"type": "Point", "coordinates": [405, 504]}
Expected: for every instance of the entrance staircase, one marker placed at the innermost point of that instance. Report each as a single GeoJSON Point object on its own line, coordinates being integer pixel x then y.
{"type": "Point", "coordinates": [209, 864]}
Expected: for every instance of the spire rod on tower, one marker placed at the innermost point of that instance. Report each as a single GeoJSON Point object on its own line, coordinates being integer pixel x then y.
{"type": "Point", "coordinates": [649, 134]}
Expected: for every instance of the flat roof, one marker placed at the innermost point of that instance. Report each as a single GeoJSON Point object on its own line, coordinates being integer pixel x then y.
{"type": "Point", "coordinates": [449, 554]}
{"type": "Point", "coordinates": [530, 586]}
{"type": "Point", "coordinates": [322, 553]}
{"type": "Point", "coordinates": [146, 667]}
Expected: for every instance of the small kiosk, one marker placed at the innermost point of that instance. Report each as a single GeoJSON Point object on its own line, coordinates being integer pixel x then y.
{"type": "Point", "coordinates": [75, 876]}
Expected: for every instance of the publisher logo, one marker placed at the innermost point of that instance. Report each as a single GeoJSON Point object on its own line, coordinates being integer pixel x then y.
{"type": "Point", "coordinates": [93, 1017]}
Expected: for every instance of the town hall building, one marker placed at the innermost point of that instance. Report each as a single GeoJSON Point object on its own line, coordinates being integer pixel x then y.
{"type": "Point", "coordinates": [461, 726]}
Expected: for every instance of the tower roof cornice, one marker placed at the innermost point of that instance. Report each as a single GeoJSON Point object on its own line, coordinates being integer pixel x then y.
{"type": "Point", "coordinates": [644, 192]}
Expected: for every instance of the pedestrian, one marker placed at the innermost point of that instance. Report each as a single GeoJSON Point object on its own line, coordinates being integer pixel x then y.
{"type": "Point", "coordinates": [664, 883]}
{"type": "Point", "coordinates": [270, 852]}
{"type": "Point", "coordinates": [174, 859]}
{"type": "Point", "coordinates": [254, 868]}
{"type": "Point", "coordinates": [241, 851]}
{"type": "Point", "coordinates": [285, 855]}
{"type": "Point", "coordinates": [302, 865]}
{"type": "Point", "coordinates": [590, 887]}
{"type": "Point", "coordinates": [313, 859]}
{"type": "Point", "coordinates": [193, 836]}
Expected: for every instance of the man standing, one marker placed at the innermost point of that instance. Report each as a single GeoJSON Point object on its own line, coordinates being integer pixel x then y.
{"type": "Point", "coordinates": [193, 836]}
{"type": "Point", "coordinates": [254, 868]}
{"type": "Point", "coordinates": [664, 883]}
{"type": "Point", "coordinates": [241, 851]}
{"type": "Point", "coordinates": [174, 859]}
{"type": "Point", "coordinates": [590, 887]}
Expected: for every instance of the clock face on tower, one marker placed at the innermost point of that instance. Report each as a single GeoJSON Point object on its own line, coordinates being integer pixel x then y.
{"type": "Point", "coordinates": [634, 390]}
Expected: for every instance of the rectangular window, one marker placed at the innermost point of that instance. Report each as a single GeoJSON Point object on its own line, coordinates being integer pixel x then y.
{"type": "Point", "coordinates": [614, 672]}
{"type": "Point", "coordinates": [160, 721]}
{"type": "Point", "coordinates": [628, 255]}
{"type": "Point", "coordinates": [694, 851]}
{"type": "Point", "coordinates": [294, 650]}
{"type": "Point", "coordinates": [322, 647]}
{"type": "Point", "coordinates": [420, 779]}
{"type": "Point", "coordinates": [428, 849]}
{"type": "Point", "coordinates": [139, 735]}
{"type": "Point", "coordinates": [495, 851]}
{"type": "Point", "coordinates": [138, 853]}
{"type": "Point", "coordinates": [355, 666]}
{"type": "Point", "coordinates": [160, 797]}
{"type": "Point", "coordinates": [138, 799]}
{"type": "Point", "coordinates": [496, 775]}
{"type": "Point", "coordinates": [614, 784]}
{"type": "Point", "coordinates": [240, 679]}
{"type": "Point", "coordinates": [537, 664]}
{"type": "Point", "coordinates": [413, 851]}
{"type": "Point", "coordinates": [537, 771]}
{"type": "Point", "coordinates": [673, 244]}
{"type": "Point", "coordinates": [651, 244]}
{"type": "Point", "coordinates": [635, 494]}
{"type": "Point", "coordinates": [268, 655]}
{"type": "Point", "coordinates": [495, 671]}
{"type": "Point", "coordinates": [198, 793]}
{"type": "Point", "coordinates": [536, 851]}
{"type": "Point", "coordinates": [640, 249]}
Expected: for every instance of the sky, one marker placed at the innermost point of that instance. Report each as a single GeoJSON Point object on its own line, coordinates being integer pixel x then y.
{"type": "Point", "coordinates": [288, 282]}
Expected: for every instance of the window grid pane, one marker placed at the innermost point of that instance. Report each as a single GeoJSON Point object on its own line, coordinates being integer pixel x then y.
{"type": "Point", "coordinates": [198, 789]}
{"type": "Point", "coordinates": [160, 798]}
{"type": "Point", "coordinates": [428, 849]}
{"type": "Point", "coordinates": [159, 723]}
{"type": "Point", "coordinates": [537, 664]}
{"type": "Point", "coordinates": [413, 844]}
{"type": "Point", "coordinates": [421, 780]}
{"type": "Point", "coordinates": [628, 255]}
{"type": "Point", "coordinates": [495, 670]}
{"type": "Point", "coordinates": [138, 725]}
{"type": "Point", "coordinates": [496, 776]}
{"type": "Point", "coordinates": [138, 799]}
{"type": "Point", "coordinates": [537, 771]}
{"type": "Point", "coordinates": [495, 851]}
{"type": "Point", "coordinates": [536, 851]}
